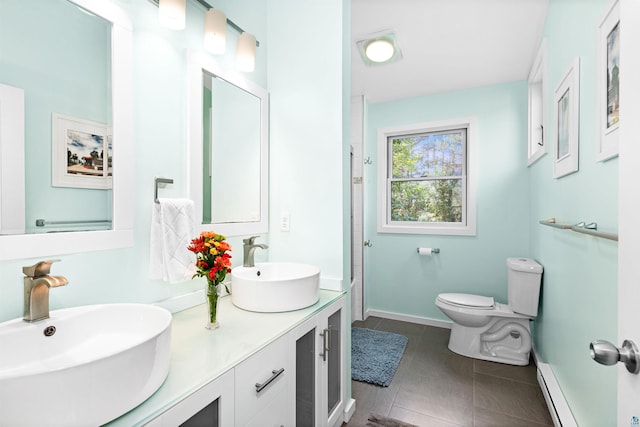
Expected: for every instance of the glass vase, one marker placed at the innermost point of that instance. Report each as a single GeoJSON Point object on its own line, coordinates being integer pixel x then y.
{"type": "Point", "coordinates": [212, 307]}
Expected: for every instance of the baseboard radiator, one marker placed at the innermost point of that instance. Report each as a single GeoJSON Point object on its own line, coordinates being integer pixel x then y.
{"type": "Point", "coordinates": [558, 407]}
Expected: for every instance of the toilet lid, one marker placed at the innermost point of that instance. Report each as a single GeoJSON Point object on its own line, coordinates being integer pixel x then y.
{"type": "Point", "coordinates": [468, 300]}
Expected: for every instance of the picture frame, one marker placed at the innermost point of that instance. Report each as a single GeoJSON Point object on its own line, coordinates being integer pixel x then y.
{"type": "Point", "coordinates": [566, 112]}
{"type": "Point", "coordinates": [537, 101]}
{"type": "Point", "coordinates": [608, 83]}
{"type": "Point", "coordinates": [79, 150]}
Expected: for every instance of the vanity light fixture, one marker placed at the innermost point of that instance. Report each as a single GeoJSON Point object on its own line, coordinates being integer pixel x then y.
{"type": "Point", "coordinates": [246, 52]}
{"type": "Point", "coordinates": [171, 13]}
{"type": "Point", "coordinates": [215, 31]}
{"type": "Point", "coordinates": [379, 48]}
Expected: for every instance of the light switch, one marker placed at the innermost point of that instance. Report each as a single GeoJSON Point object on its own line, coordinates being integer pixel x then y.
{"type": "Point", "coordinates": [285, 221]}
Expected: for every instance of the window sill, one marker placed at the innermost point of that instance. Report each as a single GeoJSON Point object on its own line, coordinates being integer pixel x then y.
{"type": "Point", "coordinates": [446, 230]}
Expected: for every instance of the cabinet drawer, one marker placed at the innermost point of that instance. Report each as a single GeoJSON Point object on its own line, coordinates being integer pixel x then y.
{"type": "Point", "coordinates": [268, 370]}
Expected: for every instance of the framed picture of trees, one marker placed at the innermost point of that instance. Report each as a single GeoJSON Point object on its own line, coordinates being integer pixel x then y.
{"type": "Point", "coordinates": [608, 84]}
{"type": "Point", "coordinates": [82, 153]}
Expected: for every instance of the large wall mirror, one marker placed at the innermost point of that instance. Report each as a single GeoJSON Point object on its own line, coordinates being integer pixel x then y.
{"type": "Point", "coordinates": [72, 81]}
{"type": "Point", "coordinates": [228, 122]}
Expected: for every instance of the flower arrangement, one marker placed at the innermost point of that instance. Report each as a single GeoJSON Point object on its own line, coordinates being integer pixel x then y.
{"type": "Point", "coordinates": [212, 262]}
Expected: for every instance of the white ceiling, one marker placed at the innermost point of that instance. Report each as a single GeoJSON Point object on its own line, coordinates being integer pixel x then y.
{"type": "Point", "coordinates": [446, 44]}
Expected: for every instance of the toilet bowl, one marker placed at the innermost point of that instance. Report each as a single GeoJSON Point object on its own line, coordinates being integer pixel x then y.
{"type": "Point", "coordinates": [485, 329]}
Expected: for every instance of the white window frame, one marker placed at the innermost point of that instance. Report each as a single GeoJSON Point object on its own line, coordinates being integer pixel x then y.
{"type": "Point", "coordinates": [468, 225]}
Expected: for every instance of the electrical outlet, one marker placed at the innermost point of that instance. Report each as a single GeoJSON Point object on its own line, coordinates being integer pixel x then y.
{"type": "Point", "coordinates": [285, 221]}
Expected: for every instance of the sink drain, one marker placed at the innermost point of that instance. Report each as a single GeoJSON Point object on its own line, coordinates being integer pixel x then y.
{"type": "Point", "coordinates": [49, 331]}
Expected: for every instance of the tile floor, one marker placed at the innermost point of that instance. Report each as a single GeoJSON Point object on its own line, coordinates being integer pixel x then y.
{"type": "Point", "coordinates": [434, 387]}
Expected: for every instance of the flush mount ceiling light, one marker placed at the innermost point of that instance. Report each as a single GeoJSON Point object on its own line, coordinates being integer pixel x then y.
{"type": "Point", "coordinates": [379, 48]}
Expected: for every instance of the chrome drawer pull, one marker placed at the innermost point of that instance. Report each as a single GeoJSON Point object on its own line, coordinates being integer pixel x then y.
{"type": "Point", "coordinates": [276, 374]}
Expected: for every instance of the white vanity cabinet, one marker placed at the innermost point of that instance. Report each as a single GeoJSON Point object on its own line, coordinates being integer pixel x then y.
{"type": "Point", "coordinates": [259, 369]}
{"type": "Point", "coordinates": [319, 345]}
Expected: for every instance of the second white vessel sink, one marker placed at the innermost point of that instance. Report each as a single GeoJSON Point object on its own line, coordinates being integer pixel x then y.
{"type": "Point", "coordinates": [275, 286]}
{"type": "Point", "coordinates": [84, 366]}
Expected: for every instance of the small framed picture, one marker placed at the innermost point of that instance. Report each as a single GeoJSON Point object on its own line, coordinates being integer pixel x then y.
{"type": "Point", "coordinates": [567, 125]}
{"type": "Point", "coordinates": [608, 84]}
{"type": "Point", "coordinates": [82, 153]}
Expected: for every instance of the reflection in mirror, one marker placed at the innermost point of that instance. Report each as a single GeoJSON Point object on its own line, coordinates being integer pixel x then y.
{"type": "Point", "coordinates": [64, 69]}
{"type": "Point", "coordinates": [231, 152]}
{"type": "Point", "coordinates": [71, 60]}
{"type": "Point", "coordinates": [228, 145]}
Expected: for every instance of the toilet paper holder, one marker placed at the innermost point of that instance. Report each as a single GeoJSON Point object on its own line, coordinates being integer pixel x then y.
{"type": "Point", "coordinates": [433, 250]}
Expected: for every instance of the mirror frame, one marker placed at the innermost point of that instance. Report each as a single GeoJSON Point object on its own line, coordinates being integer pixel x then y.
{"type": "Point", "coordinates": [14, 247]}
{"type": "Point", "coordinates": [199, 62]}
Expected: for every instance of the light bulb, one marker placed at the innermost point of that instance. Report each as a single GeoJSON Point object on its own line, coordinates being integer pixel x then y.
{"type": "Point", "coordinates": [246, 53]}
{"type": "Point", "coordinates": [379, 50]}
{"type": "Point", "coordinates": [171, 13]}
{"type": "Point", "coordinates": [215, 31]}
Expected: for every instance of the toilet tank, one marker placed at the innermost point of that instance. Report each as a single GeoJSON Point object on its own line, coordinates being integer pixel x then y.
{"type": "Point", "coordinates": [524, 277]}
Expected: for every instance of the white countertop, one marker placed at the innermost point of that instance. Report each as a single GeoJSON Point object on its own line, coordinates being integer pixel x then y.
{"type": "Point", "coordinates": [199, 355]}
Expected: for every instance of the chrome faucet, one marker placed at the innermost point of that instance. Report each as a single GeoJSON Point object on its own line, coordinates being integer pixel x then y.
{"type": "Point", "coordinates": [36, 290]}
{"type": "Point", "coordinates": [249, 248]}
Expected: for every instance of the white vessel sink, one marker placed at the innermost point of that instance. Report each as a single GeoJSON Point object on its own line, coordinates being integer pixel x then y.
{"type": "Point", "coordinates": [102, 361]}
{"type": "Point", "coordinates": [275, 286]}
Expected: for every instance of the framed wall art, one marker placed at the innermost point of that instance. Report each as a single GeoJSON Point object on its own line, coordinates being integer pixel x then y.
{"type": "Point", "coordinates": [82, 153]}
{"type": "Point", "coordinates": [566, 112]}
{"type": "Point", "coordinates": [608, 84]}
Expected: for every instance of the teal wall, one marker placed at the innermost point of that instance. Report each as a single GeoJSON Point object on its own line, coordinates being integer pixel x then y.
{"type": "Point", "coordinates": [578, 300]}
{"type": "Point", "coordinates": [160, 140]}
{"type": "Point", "coordinates": [64, 72]}
{"type": "Point", "coordinates": [305, 68]}
{"type": "Point", "coordinates": [306, 93]}
{"type": "Point", "coordinates": [579, 296]}
{"type": "Point", "coordinates": [397, 280]}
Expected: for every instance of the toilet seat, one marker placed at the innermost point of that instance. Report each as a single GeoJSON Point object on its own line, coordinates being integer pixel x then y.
{"type": "Point", "coordinates": [477, 302]}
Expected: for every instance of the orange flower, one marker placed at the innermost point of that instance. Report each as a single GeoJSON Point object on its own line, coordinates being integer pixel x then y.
{"type": "Point", "coordinates": [212, 260]}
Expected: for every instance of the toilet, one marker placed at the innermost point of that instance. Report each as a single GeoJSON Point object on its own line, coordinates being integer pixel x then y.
{"type": "Point", "coordinates": [485, 329]}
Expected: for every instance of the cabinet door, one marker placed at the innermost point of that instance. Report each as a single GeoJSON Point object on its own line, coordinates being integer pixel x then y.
{"type": "Point", "coordinates": [333, 365]}
{"type": "Point", "coordinates": [306, 348]}
{"type": "Point", "coordinates": [211, 406]}
{"type": "Point", "coordinates": [319, 348]}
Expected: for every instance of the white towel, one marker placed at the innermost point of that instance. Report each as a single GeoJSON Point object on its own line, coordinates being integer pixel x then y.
{"type": "Point", "coordinates": [172, 228]}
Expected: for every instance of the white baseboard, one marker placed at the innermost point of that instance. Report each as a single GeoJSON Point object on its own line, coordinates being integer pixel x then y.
{"type": "Point", "coordinates": [349, 410]}
{"type": "Point", "coordinates": [408, 318]}
{"type": "Point", "coordinates": [557, 404]}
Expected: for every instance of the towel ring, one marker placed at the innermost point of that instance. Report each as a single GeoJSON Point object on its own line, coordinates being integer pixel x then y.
{"type": "Point", "coordinates": [160, 181]}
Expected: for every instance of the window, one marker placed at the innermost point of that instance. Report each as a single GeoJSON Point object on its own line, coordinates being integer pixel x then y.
{"type": "Point", "coordinates": [425, 178]}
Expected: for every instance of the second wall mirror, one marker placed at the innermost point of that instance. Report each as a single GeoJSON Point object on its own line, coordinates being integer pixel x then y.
{"type": "Point", "coordinates": [228, 142]}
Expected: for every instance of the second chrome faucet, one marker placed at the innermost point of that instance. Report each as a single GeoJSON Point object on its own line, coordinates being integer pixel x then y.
{"type": "Point", "coordinates": [249, 249]}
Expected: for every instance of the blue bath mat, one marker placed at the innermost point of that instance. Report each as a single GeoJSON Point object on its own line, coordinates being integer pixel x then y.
{"type": "Point", "coordinates": [375, 355]}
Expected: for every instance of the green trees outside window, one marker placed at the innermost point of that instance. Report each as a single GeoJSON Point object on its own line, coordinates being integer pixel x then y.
{"type": "Point", "coordinates": [427, 173]}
